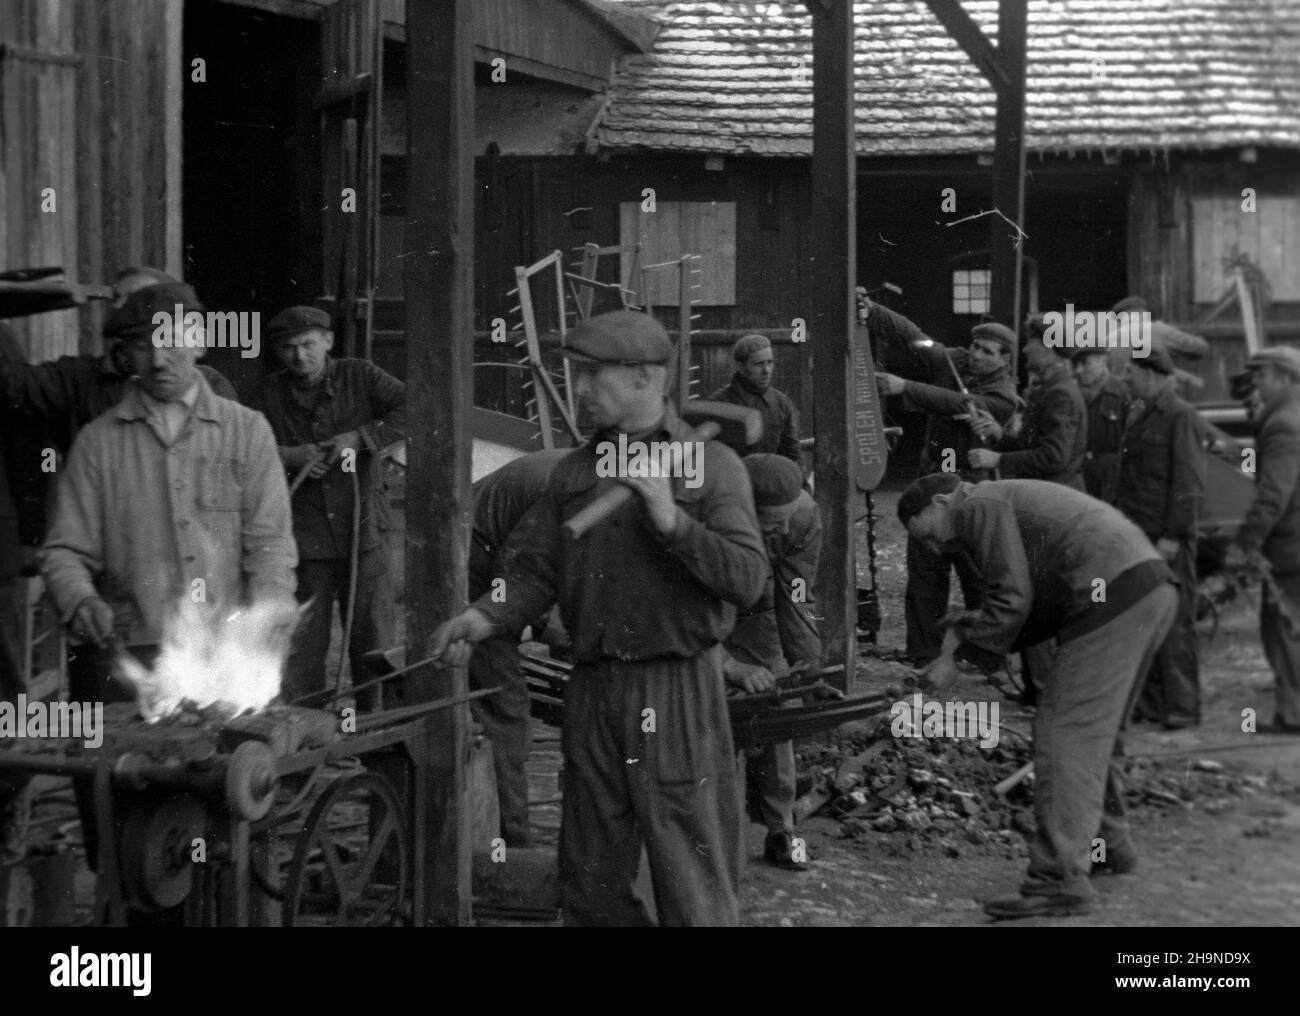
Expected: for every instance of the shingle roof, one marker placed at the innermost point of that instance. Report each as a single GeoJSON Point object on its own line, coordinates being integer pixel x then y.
{"type": "Point", "coordinates": [721, 78]}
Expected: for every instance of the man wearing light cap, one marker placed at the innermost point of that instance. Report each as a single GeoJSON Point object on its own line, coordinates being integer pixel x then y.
{"type": "Point", "coordinates": [332, 418]}
{"type": "Point", "coordinates": [778, 633]}
{"type": "Point", "coordinates": [948, 385]}
{"type": "Point", "coordinates": [647, 596]}
{"type": "Point", "coordinates": [1044, 551]}
{"type": "Point", "coordinates": [171, 493]}
{"type": "Point", "coordinates": [1160, 487]}
{"type": "Point", "coordinates": [1271, 530]}
{"type": "Point", "coordinates": [751, 386]}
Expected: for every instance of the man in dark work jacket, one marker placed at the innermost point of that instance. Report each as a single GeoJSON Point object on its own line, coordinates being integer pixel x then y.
{"type": "Point", "coordinates": [647, 596]}
{"type": "Point", "coordinates": [1044, 552]}
{"type": "Point", "coordinates": [1055, 436]}
{"type": "Point", "coordinates": [751, 386]}
{"type": "Point", "coordinates": [1161, 484]}
{"type": "Point", "coordinates": [924, 374]}
{"type": "Point", "coordinates": [1107, 400]}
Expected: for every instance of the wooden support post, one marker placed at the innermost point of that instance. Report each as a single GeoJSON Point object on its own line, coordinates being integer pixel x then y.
{"type": "Point", "coordinates": [440, 328]}
{"type": "Point", "coordinates": [834, 223]}
{"type": "Point", "coordinates": [1009, 165]}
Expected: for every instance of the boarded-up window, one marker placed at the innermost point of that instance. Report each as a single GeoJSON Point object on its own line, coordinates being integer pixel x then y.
{"type": "Point", "coordinates": [674, 228]}
{"type": "Point", "coordinates": [1269, 236]}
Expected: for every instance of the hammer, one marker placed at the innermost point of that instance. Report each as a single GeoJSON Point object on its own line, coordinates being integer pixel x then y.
{"type": "Point", "coordinates": [738, 426]}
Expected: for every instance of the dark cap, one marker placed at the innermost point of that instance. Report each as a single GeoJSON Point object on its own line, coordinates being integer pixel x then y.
{"type": "Point", "coordinates": [1283, 357]}
{"type": "Point", "coordinates": [776, 480]}
{"type": "Point", "coordinates": [991, 331]}
{"type": "Point", "coordinates": [1035, 326]}
{"type": "Point", "coordinates": [1157, 360]}
{"type": "Point", "coordinates": [915, 499]}
{"type": "Point", "coordinates": [136, 315]}
{"type": "Point", "coordinates": [295, 320]}
{"type": "Point", "coordinates": [624, 337]}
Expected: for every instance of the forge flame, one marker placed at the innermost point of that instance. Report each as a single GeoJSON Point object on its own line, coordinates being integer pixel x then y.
{"type": "Point", "coordinates": [230, 662]}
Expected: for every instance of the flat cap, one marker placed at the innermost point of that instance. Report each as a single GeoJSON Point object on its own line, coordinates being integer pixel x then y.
{"type": "Point", "coordinates": [914, 500]}
{"type": "Point", "coordinates": [776, 480]}
{"type": "Point", "coordinates": [747, 345]}
{"type": "Point", "coordinates": [1159, 360]}
{"type": "Point", "coordinates": [1285, 357]}
{"type": "Point", "coordinates": [625, 337]}
{"type": "Point", "coordinates": [295, 320]}
{"type": "Point", "coordinates": [991, 331]}
{"type": "Point", "coordinates": [136, 315]}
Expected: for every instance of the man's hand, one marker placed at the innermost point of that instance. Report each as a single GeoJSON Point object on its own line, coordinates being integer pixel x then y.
{"type": "Point", "coordinates": [985, 426]}
{"type": "Point", "coordinates": [657, 493]}
{"type": "Point", "coordinates": [298, 456]}
{"type": "Point", "coordinates": [451, 639]}
{"type": "Point", "coordinates": [939, 674]}
{"type": "Point", "coordinates": [92, 621]}
{"type": "Point", "coordinates": [1238, 560]}
{"type": "Point", "coordinates": [1168, 548]}
{"type": "Point", "coordinates": [748, 676]}
{"type": "Point", "coordinates": [984, 458]}
{"type": "Point", "coordinates": [349, 440]}
{"type": "Point", "coordinates": [889, 384]}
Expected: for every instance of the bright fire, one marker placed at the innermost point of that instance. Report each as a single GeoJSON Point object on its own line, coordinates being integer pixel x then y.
{"type": "Point", "coordinates": [228, 661]}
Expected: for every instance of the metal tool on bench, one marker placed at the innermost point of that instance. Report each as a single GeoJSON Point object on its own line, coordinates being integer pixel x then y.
{"type": "Point", "coordinates": [736, 425]}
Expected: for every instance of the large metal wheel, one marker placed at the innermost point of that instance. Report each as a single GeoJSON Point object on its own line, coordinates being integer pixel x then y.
{"type": "Point", "coordinates": [351, 867]}
{"type": "Point", "coordinates": [156, 843]}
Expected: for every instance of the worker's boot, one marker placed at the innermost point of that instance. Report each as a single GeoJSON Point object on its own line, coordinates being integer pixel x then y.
{"type": "Point", "coordinates": [778, 849]}
{"type": "Point", "coordinates": [1038, 905]}
{"type": "Point", "coordinates": [1120, 860]}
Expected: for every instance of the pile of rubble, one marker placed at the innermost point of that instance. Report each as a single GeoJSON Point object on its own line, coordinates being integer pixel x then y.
{"type": "Point", "coordinates": [952, 797]}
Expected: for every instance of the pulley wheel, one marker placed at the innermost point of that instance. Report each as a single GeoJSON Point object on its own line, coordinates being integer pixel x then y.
{"type": "Point", "coordinates": [157, 840]}
{"type": "Point", "coordinates": [351, 867]}
{"type": "Point", "coordinates": [251, 780]}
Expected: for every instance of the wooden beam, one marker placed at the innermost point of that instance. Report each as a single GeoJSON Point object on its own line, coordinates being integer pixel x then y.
{"type": "Point", "coordinates": [970, 37]}
{"type": "Point", "coordinates": [833, 309]}
{"type": "Point", "coordinates": [438, 284]}
{"type": "Point", "coordinates": [1009, 166]}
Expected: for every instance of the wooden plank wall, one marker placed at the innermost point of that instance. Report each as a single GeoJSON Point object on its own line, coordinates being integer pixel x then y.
{"type": "Point", "coordinates": [101, 119]}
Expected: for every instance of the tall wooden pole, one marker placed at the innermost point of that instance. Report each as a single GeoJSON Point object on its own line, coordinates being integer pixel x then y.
{"type": "Point", "coordinates": [1009, 163]}
{"type": "Point", "coordinates": [439, 335]}
{"type": "Point", "coordinates": [834, 225]}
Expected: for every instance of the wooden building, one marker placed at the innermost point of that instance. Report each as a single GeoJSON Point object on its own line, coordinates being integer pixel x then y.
{"type": "Point", "coordinates": [1151, 126]}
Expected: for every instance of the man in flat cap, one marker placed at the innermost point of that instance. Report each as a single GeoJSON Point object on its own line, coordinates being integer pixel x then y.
{"type": "Point", "coordinates": [172, 492]}
{"type": "Point", "coordinates": [1043, 551]}
{"type": "Point", "coordinates": [1106, 397]}
{"type": "Point", "coordinates": [949, 385]}
{"type": "Point", "coordinates": [1271, 530]}
{"type": "Point", "coordinates": [647, 595]}
{"type": "Point", "coordinates": [332, 418]}
{"type": "Point", "coordinates": [1160, 487]}
{"type": "Point", "coordinates": [1054, 439]}
{"type": "Point", "coordinates": [775, 635]}
{"type": "Point", "coordinates": [751, 386]}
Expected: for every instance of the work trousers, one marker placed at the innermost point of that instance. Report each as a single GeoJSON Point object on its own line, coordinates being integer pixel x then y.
{"type": "Point", "coordinates": [505, 719]}
{"type": "Point", "coordinates": [649, 759]}
{"type": "Point", "coordinates": [1171, 689]}
{"type": "Point", "coordinates": [770, 785]}
{"type": "Point", "coordinates": [926, 597]}
{"type": "Point", "coordinates": [325, 582]}
{"type": "Point", "coordinates": [1078, 785]}
{"type": "Point", "coordinates": [13, 605]}
{"type": "Point", "coordinates": [1281, 649]}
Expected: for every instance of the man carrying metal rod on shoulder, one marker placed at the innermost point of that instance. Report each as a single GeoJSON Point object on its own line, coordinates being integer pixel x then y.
{"type": "Point", "coordinates": [950, 385]}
